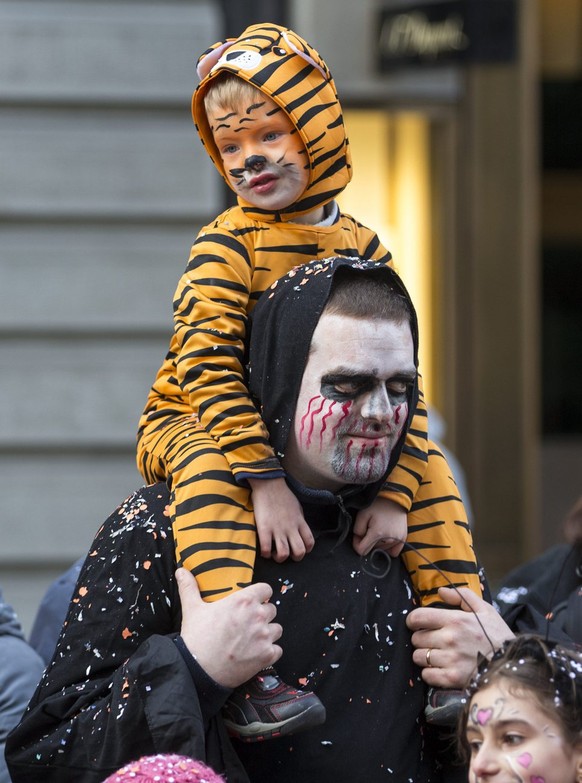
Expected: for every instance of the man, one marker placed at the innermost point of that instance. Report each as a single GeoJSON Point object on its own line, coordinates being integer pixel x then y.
{"type": "Point", "coordinates": [143, 665]}
{"type": "Point", "coordinates": [20, 671]}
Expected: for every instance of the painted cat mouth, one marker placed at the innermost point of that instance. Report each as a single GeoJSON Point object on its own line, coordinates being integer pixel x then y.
{"type": "Point", "coordinates": [261, 180]}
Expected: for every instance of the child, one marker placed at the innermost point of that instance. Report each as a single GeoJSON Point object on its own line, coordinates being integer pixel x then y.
{"type": "Point", "coordinates": [268, 114]}
{"type": "Point", "coordinates": [523, 719]}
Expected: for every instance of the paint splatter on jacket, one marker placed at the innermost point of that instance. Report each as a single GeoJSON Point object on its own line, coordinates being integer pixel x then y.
{"type": "Point", "coordinates": [121, 683]}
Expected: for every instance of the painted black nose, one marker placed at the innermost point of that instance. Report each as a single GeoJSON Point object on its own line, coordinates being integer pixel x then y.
{"type": "Point", "coordinates": [255, 163]}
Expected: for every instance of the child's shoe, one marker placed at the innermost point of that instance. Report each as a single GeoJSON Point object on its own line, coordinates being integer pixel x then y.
{"type": "Point", "coordinates": [443, 706]}
{"type": "Point", "coordinates": [266, 707]}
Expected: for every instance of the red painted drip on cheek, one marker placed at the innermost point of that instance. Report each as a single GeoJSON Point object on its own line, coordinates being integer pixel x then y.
{"type": "Point", "coordinates": [346, 407]}
{"type": "Point", "coordinates": [304, 417]}
{"type": "Point", "coordinates": [360, 455]}
{"type": "Point", "coordinates": [312, 423]}
{"type": "Point", "coordinates": [324, 423]}
{"type": "Point", "coordinates": [375, 454]}
{"type": "Point", "coordinates": [349, 448]}
{"type": "Point", "coordinates": [400, 415]}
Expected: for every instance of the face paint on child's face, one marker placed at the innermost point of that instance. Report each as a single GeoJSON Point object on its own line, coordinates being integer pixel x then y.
{"type": "Point", "coordinates": [263, 155]}
{"type": "Point", "coordinates": [353, 402]}
{"type": "Point", "coordinates": [513, 741]}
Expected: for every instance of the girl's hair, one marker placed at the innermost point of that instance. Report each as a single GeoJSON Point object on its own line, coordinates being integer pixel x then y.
{"type": "Point", "coordinates": [549, 673]}
{"type": "Point", "coordinates": [227, 91]}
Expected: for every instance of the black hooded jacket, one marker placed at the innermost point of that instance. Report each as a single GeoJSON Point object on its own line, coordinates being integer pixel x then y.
{"type": "Point", "coordinates": [122, 684]}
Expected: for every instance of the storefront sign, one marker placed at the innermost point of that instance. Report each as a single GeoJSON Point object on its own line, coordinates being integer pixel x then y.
{"type": "Point", "coordinates": [450, 31]}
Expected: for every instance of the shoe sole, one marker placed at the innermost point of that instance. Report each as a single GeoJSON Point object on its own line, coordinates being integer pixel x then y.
{"type": "Point", "coordinates": [257, 732]}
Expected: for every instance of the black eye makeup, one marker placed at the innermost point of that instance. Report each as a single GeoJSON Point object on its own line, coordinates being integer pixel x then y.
{"type": "Point", "coordinates": [344, 387]}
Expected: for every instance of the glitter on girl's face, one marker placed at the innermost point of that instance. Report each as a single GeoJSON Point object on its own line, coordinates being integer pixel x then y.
{"type": "Point", "coordinates": [512, 740]}
{"type": "Point", "coordinates": [353, 402]}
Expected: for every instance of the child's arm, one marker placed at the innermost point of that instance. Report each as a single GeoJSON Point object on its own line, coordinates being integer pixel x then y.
{"type": "Point", "coordinates": [380, 526]}
{"type": "Point", "coordinates": [210, 329]}
{"type": "Point", "coordinates": [281, 526]}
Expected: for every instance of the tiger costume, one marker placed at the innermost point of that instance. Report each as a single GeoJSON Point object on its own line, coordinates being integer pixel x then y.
{"type": "Point", "coordinates": [199, 412]}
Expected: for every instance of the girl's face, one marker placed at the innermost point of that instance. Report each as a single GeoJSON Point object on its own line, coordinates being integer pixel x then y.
{"type": "Point", "coordinates": [513, 741]}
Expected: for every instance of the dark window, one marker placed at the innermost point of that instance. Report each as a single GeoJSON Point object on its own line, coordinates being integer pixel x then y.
{"type": "Point", "coordinates": [562, 265]}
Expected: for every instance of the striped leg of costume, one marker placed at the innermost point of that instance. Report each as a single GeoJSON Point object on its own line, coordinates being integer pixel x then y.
{"type": "Point", "coordinates": [212, 516]}
{"type": "Point", "coordinates": [441, 552]}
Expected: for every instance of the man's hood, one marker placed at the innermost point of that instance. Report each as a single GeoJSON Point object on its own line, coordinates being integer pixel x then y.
{"type": "Point", "coordinates": [282, 326]}
{"type": "Point", "coordinates": [287, 69]}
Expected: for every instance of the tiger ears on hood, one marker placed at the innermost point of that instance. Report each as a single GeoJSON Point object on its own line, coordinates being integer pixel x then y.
{"type": "Point", "coordinates": [211, 56]}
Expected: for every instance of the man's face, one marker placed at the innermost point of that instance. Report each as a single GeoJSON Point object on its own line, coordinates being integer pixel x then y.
{"type": "Point", "coordinates": [352, 403]}
{"type": "Point", "coordinates": [263, 155]}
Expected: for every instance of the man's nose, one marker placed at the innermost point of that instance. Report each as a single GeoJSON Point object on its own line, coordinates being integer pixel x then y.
{"type": "Point", "coordinates": [255, 162]}
{"type": "Point", "coordinates": [376, 404]}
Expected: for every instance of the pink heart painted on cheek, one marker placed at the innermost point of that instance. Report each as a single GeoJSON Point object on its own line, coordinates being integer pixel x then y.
{"type": "Point", "coordinates": [525, 761]}
{"type": "Point", "coordinates": [484, 716]}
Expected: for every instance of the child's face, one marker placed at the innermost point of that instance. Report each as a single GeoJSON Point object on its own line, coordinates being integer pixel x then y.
{"type": "Point", "coordinates": [263, 155]}
{"type": "Point", "coordinates": [513, 741]}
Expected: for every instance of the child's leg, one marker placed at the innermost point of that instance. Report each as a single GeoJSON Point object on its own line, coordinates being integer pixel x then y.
{"type": "Point", "coordinates": [441, 555]}
{"type": "Point", "coordinates": [213, 522]}
{"type": "Point", "coordinates": [212, 517]}
{"type": "Point", "coordinates": [215, 538]}
{"type": "Point", "coordinates": [439, 535]}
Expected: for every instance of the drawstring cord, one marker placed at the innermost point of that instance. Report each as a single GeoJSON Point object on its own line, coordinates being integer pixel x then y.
{"type": "Point", "coordinates": [378, 563]}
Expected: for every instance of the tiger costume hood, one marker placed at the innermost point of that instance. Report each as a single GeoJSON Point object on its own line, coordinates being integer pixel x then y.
{"type": "Point", "coordinates": [288, 70]}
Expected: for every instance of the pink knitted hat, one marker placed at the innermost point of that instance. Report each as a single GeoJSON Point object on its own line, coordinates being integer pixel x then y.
{"type": "Point", "coordinates": [165, 768]}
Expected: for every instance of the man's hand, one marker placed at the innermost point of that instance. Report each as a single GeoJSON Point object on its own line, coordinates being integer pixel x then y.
{"type": "Point", "coordinates": [455, 637]}
{"type": "Point", "coordinates": [281, 526]}
{"type": "Point", "coordinates": [383, 525]}
{"type": "Point", "coordinates": [233, 638]}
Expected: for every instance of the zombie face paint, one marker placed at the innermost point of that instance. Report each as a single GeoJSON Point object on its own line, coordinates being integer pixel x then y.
{"type": "Point", "coordinates": [352, 404]}
{"type": "Point", "coordinates": [513, 741]}
{"type": "Point", "coordinates": [263, 155]}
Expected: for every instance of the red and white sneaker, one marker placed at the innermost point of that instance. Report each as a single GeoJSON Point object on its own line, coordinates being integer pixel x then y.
{"type": "Point", "coordinates": [266, 707]}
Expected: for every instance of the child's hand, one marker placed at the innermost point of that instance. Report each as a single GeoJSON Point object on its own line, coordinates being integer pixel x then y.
{"type": "Point", "coordinates": [281, 526]}
{"type": "Point", "coordinates": [383, 525]}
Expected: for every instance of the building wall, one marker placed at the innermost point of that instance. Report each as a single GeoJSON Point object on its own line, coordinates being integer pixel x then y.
{"type": "Point", "coordinates": [104, 185]}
